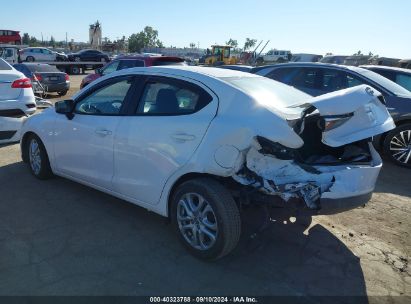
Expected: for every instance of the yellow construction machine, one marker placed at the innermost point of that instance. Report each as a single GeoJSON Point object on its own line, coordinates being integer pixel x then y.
{"type": "Point", "coordinates": [219, 55]}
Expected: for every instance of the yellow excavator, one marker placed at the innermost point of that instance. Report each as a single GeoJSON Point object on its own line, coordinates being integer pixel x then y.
{"type": "Point", "coordinates": [219, 55]}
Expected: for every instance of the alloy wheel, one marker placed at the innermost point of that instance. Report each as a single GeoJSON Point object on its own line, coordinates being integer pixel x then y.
{"type": "Point", "coordinates": [197, 221]}
{"type": "Point", "coordinates": [34, 156]}
{"type": "Point", "coordinates": [400, 147]}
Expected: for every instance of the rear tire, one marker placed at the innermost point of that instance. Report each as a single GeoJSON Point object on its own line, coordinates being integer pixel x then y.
{"type": "Point", "coordinates": [37, 158]}
{"type": "Point", "coordinates": [62, 93]}
{"type": "Point", "coordinates": [397, 145]}
{"type": "Point", "coordinates": [206, 218]}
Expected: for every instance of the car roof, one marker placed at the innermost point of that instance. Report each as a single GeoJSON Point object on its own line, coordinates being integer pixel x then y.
{"type": "Point", "coordinates": [206, 71]}
{"type": "Point", "coordinates": [387, 68]}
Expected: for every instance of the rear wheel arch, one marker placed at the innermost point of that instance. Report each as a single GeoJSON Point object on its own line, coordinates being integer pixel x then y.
{"type": "Point", "coordinates": [181, 180]}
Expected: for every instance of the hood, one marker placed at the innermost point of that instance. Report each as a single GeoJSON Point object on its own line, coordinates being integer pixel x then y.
{"type": "Point", "coordinates": [348, 115]}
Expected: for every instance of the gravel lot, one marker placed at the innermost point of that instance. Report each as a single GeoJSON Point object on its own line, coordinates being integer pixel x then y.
{"type": "Point", "coordinates": [61, 238]}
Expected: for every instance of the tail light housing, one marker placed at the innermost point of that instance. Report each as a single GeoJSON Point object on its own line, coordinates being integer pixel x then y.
{"type": "Point", "coordinates": [37, 77]}
{"type": "Point", "coordinates": [22, 83]}
{"type": "Point", "coordinates": [67, 77]}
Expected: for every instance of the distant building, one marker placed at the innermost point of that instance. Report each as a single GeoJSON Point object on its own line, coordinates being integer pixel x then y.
{"type": "Point", "coordinates": [95, 35]}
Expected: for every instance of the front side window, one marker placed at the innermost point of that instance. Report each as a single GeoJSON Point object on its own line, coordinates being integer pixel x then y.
{"type": "Point", "coordinates": [112, 67]}
{"type": "Point", "coordinates": [162, 98]}
{"type": "Point", "coordinates": [107, 100]}
{"type": "Point", "coordinates": [130, 63]}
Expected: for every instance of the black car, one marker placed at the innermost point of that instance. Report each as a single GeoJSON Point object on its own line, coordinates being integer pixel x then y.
{"type": "Point", "coordinates": [49, 77]}
{"type": "Point", "coordinates": [89, 55]}
{"type": "Point", "coordinates": [398, 75]}
{"type": "Point", "coordinates": [317, 79]}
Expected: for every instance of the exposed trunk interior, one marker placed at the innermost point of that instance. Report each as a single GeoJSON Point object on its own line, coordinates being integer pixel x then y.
{"type": "Point", "coordinates": [315, 152]}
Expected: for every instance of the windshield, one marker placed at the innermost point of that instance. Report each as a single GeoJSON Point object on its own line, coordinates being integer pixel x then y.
{"type": "Point", "coordinates": [385, 82]}
{"type": "Point", "coordinates": [42, 68]}
{"type": "Point", "coordinates": [271, 93]}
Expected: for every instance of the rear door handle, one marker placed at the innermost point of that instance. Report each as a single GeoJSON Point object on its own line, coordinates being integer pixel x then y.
{"type": "Point", "coordinates": [183, 137]}
{"type": "Point", "coordinates": [103, 132]}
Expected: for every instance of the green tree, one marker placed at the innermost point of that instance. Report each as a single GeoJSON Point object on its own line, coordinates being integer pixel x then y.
{"type": "Point", "coordinates": [33, 41]}
{"type": "Point", "coordinates": [146, 38]}
{"type": "Point", "coordinates": [232, 42]}
{"type": "Point", "coordinates": [192, 45]}
{"type": "Point", "coordinates": [26, 39]}
{"type": "Point", "coordinates": [52, 41]}
{"type": "Point", "coordinates": [249, 43]}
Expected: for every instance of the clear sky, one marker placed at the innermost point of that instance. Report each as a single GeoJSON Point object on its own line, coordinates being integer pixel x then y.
{"type": "Point", "coordinates": [316, 26]}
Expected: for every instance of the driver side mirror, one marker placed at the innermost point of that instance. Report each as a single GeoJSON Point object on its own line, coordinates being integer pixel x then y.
{"type": "Point", "coordinates": [65, 107]}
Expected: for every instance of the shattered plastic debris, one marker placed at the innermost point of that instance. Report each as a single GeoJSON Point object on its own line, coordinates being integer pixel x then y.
{"type": "Point", "coordinates": [283, 177]}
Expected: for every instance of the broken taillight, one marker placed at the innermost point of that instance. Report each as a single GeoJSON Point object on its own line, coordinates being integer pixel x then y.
{"type": "Point", "coordinates": [328, 123]}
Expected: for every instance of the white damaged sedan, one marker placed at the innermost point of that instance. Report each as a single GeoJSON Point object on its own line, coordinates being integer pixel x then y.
{"type": "Point", "coordinates": [194, 143]}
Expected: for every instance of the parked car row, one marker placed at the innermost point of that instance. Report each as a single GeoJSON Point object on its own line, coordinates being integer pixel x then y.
{"type": "Point", "coordinates": [39, 54]}
{"type": "Point", "coordinates": [47, 76]}
{"type": "Point", "coordinates": [125, 62]}
{"type": "Point", "coordinates": [17, 101]}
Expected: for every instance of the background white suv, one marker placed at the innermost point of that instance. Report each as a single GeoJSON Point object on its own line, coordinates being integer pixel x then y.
{"type": "Point", "coordinates": [17, 101]}
{"type": "Point", "coordinates": [275, 56]}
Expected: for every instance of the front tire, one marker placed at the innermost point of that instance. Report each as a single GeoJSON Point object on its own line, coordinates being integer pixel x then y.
{"type": "Point", "coordinates": [206, 218]}
{"type": "Point", "coordinates": [30, 59]}
{"type": "Point", "coordinates": [38, 160]}
{"type": "Point", "coordinates": [397, 145]}
{"type": "Point", "coordinates": [62, 93]}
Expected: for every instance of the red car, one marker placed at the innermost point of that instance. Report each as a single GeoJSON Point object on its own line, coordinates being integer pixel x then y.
{"type": "Point", "coordinates": [127, 62]}
{"type": "Point", "coordinates": [10, 37]}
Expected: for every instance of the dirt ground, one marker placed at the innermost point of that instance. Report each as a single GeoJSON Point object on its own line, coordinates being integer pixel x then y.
{"type": "Point", "coordinates": [61, 238]}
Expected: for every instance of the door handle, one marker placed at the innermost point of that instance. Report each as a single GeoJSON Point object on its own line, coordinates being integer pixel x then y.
{"type": "Point", "coordinates": [183, 137]}
{"type": "Point", "coordinates": [103, 132]}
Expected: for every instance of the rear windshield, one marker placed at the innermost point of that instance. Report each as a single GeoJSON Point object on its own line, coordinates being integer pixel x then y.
{"type": "Point", "coordinates": [42, 68]}
{"type": "Point", "coordinates": [385, 82]}
{"type": "Point", "coordinates": [270, 92]}
{"type": "Point", "coordinates": [4, 65]}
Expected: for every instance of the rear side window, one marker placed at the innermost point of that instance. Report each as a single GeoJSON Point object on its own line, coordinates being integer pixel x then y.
{"type": "Point", "coordinates": [172, 98]}
{"type": "Point", "coordinates": [386, 74]}
{"type": "Point", "coordinates": [284, 75]}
